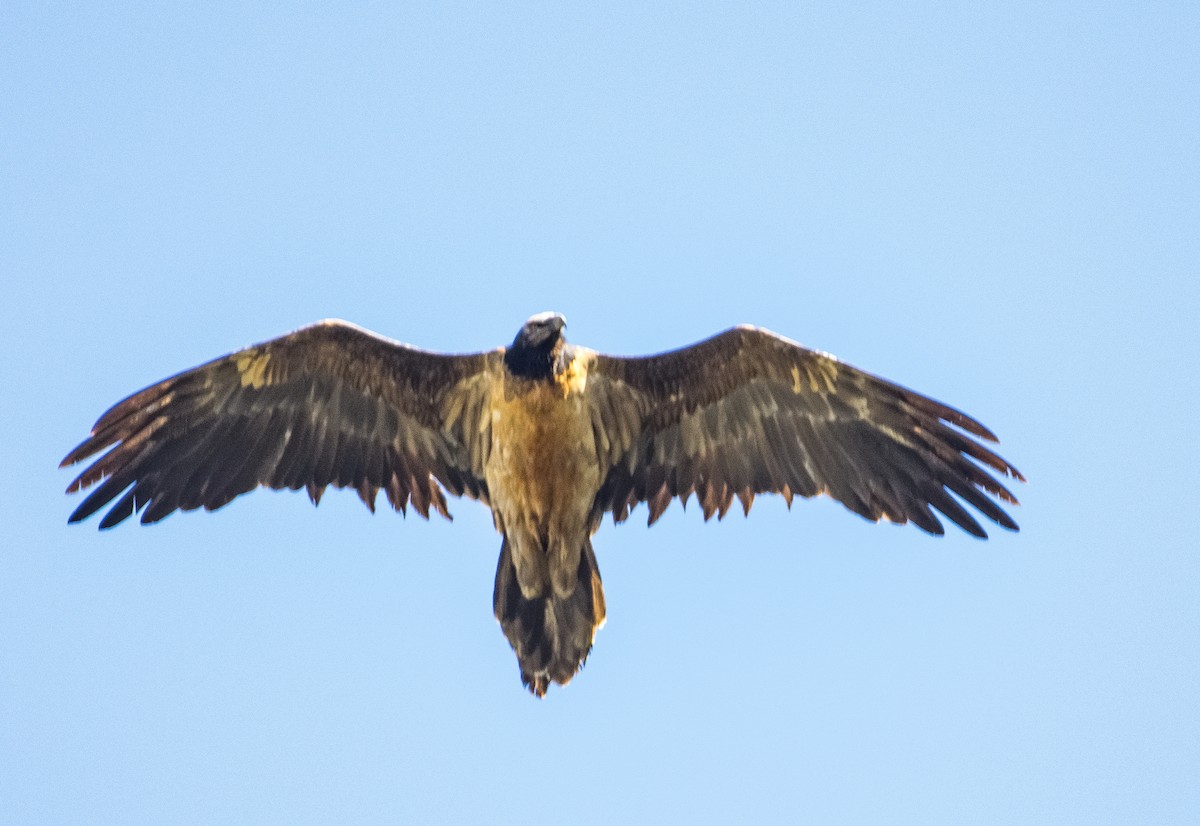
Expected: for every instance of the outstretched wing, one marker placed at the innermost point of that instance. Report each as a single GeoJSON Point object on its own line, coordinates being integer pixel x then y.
{"type": "Point", "coordinates": [330, 404]}
{"type": "Point", "coordinates": [749, 412]}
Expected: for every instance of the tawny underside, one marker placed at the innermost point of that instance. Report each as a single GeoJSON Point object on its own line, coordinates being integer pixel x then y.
{"type": "Point", "coordinates": [543, 473]}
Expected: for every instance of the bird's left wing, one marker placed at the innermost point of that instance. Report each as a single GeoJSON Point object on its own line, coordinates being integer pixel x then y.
{"type": "Point", "coordinates": [747, 412]}
{"type": "Point", "coordinates": [330, 404]}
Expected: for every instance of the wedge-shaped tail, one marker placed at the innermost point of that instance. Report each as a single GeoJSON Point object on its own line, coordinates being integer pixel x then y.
{"type": "Point", "coordinates": [550, 634]}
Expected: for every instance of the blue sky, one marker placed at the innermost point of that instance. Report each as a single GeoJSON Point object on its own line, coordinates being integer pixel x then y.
{"type": "Point", "coordinates": [994, 204]}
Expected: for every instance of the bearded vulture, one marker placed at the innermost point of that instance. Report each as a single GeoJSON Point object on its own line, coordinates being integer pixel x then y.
{"type": "Point", "coordinates": [548, 435]}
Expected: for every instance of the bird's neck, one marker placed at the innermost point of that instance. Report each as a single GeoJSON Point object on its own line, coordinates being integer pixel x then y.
{"type": "Point", "coordinates": [537, 362]}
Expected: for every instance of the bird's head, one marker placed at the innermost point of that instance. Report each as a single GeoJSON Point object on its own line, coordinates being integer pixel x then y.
{"type": "Point", "coordinates": [538, 350]}
{"type": "Point", "coordinates": [540, 332]}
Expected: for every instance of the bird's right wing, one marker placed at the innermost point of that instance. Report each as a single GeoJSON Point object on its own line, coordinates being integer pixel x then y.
{"type": "Point", "coordinates": [329, 404]}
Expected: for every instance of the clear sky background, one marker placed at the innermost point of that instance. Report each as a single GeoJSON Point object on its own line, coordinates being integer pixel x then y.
{"type": "Point", "coordinates": [996, 204]}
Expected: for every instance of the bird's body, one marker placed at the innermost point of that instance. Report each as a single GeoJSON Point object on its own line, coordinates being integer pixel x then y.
{"type": "Point", "coordinates": [543, 473]}
{"type": "Point", "coordinates": [551, 437]}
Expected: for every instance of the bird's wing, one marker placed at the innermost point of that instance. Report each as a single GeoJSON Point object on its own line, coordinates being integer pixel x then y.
{"type": "Point", "coordinates": [748, 412]}
{"type": "Point", "coordinates": [329, 404]}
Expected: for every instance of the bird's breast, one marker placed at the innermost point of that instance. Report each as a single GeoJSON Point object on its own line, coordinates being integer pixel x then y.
{"type": "Point", "coordinates": [542, 471]}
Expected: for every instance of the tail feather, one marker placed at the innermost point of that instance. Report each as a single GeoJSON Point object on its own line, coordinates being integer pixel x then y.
{"type": "Point", "coordinates": [550, 634]}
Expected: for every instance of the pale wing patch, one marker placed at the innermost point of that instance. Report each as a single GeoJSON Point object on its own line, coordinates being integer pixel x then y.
{"type": "Point", "coordinates": [468, 418]}
{"type": "Point", "coordinates": [252, 368]}
{"type": "Point", "coordinates": [817, 376]}
{"type": "Point", "coordinates": [615, 411]}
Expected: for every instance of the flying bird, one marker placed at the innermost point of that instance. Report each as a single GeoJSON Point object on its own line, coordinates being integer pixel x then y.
{"type": "Point", "coordinates": [551, 437]}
